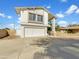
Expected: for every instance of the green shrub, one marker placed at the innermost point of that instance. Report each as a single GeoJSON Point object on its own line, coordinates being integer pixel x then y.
{"type": "Point", "coordinates": [49, 29]}
{"type": "Point", "coordinates": [70, 31]}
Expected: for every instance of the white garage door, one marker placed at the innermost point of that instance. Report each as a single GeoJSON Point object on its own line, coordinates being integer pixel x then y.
{"type": "Point", "coordinates": [31, 32]}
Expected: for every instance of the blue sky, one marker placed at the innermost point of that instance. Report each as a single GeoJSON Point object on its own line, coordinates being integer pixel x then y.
{"type": "Point", "coordinates": [67, 11]}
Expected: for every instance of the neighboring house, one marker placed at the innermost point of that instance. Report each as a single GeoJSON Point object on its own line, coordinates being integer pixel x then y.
{"type": "Point", "coordinates": [63, 29]}
{"type": "Point", "coordinates": [72, 29]}
{"type": "Point", "coordinates": [34, 21]}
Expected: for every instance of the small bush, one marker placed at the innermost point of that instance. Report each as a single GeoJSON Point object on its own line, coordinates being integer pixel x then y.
{"type": "Point", "coordinates": [70, 31]}
{"type": "Point", "coordinates": [49, 29]}
{"type": "Point", "coordinates": [3, 33]}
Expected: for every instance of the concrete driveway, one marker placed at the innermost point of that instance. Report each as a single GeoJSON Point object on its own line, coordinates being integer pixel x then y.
{"type": "Point", "coordinates": [53, 48]}
{"type": "Point", "coordinates": [10, 49]}
{"type": "Point", "coordinates": [17, 48]}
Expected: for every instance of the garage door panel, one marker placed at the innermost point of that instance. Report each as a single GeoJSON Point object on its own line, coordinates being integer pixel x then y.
{"type": "Point", "coordinates": [34, 32]}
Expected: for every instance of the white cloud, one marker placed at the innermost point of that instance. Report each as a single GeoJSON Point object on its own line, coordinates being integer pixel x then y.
{"type": "Point", "coordinates": [19, 18]}
{"type": "Point", "coordinates": [3, 15]}
{"type": "Point", "coordinates": [9, 17]}
{"type": "Point", "coordinates": [77, 11]}
{"type": "Point", "coordinates": [63, 0]}
{"type": "Point", "coordinates": [72, 9]}
{"type": "Point", "coordinates": [63, 23]}
{"type": "Point", "coordinates": [60, 15]}
{"type": "Point", "coordinates": [18, 21]}
{"type": "Point", "coordinates": [74, 22]}
{"type": "Point", "coordinates": [11, 25]}
{"type": "Point", "coordinates": [48, 7]}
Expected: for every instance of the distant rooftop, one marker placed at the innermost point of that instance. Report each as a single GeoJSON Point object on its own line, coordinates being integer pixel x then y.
{"type": "Point", "coordinates": [72, 27]}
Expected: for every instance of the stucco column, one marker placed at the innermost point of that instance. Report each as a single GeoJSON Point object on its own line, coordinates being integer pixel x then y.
{"type": "Point", "coordinates": [53, 26]}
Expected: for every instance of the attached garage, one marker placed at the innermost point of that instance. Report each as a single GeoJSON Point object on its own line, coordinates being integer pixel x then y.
{"type": "Point", "coordinates": [34, 31]}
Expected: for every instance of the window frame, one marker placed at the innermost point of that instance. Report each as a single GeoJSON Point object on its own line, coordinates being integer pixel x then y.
{"type": "Point", "coordinates": [36, 19]}
{"type": "Point", "coordinates": [32, 19]}
{"type": "Point", "coordinates": [41, 20]}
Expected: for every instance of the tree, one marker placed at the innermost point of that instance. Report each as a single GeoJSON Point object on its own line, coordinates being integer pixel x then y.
{"type": "Point", "coordinates": [57, 27]}
{"type": "Point", "coordinates": [70, 25]}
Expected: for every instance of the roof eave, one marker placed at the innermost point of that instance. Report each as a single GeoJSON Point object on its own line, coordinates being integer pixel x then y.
{"type": "Point", "coordinates": [18, 9]}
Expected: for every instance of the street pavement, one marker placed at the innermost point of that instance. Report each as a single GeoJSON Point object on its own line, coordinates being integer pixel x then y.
{"type": "Point", "coordinates": [54, 48]}
{"type": "Point", "coordinates": [60, 49]}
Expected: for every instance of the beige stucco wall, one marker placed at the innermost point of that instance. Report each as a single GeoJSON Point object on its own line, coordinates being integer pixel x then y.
{"type": "Point", "coordinates": [24, 16]}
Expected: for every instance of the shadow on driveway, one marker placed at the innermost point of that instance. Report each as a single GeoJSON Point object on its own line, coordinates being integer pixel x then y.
{"type": "Point", "coordinates": [53, 49]}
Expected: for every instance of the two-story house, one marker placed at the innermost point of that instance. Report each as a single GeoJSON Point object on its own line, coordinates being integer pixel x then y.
{"type": "Point", "coordinates": [34, 21]}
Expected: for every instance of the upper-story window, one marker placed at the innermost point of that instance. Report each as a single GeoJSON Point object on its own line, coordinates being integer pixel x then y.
{"type": "Point", "coordinates": [40, 18]}
{"type": "Point", "coordinates": [35, 18]}
{"type": "Point", "coordinates": [32, 17]}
